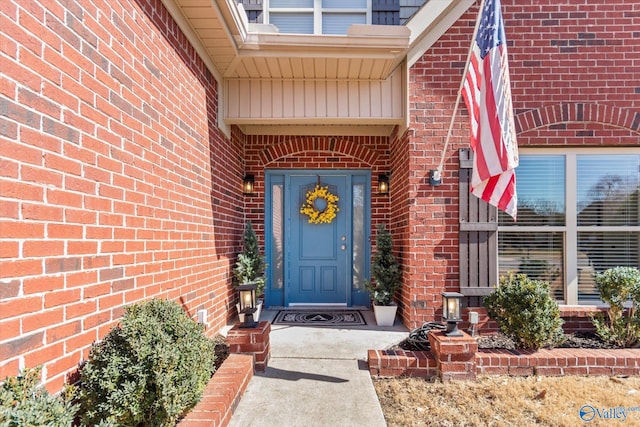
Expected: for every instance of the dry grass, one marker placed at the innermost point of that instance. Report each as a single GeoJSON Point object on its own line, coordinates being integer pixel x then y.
{"type": "Point", "coordinates": [506, 401]}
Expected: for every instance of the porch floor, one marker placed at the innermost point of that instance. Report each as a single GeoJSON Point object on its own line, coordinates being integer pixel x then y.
{"type": "Point", "coordinates": [317, 376]}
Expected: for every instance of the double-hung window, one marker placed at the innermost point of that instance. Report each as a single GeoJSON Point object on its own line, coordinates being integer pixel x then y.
{"type": "Point", "coordinates": [317, 16]}
{"type": "Point", "coordinates": [578, 215]}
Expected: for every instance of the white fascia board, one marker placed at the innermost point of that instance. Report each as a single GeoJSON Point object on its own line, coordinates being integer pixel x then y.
{"type": "Point", "coordinates": [431, 22]}
{"type": "Point", "coordinates": [370, 40]}
{"type": "Point", "coordinates": [187, 30]}
{"type": "Point", "coordinates": [235, 19]}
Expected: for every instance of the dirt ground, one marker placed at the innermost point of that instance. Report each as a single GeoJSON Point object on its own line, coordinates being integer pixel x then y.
{"type": "Point", "coordinates": [511, 401]}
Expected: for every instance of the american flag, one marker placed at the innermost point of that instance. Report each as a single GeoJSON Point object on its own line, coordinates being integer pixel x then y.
{"type": "Point", "coordinates": [487, 93]}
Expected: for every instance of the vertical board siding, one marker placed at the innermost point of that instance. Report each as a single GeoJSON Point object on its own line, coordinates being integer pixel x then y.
{"type": "Point", "coordinates": [478, 236]}
{"type": "Point", "coordinates": [274, 99]}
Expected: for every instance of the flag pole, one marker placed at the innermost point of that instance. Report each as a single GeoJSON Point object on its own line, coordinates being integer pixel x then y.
{"type": "Point", "coordinates": [457, 104]}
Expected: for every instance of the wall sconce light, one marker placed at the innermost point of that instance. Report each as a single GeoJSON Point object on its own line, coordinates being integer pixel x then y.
{"type": "Point", "coordinates": [247, 184]}
{"type": "Point", "coordinates": [435, 177]}
{"type": "Point", "coordinates": [383, 184]}
{"type": "Point", "coordinates": [452, 312]}
{"type": "Point", "coordinates": [248, 304]}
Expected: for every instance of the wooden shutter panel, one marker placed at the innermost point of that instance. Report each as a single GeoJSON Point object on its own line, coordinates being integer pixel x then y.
{"type": "Point", "coordinates": [478, 236]}
{"type": "Point", "coordinates": [385, 12]}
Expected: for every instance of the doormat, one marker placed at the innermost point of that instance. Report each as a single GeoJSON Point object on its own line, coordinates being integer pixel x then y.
{"type": "Point", "coordinates": [319, 318]}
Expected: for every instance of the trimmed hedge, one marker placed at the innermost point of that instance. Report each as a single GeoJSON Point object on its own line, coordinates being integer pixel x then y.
{"type": "Point", "coordinates": [619, 286]}
{"type": "Point", "coordinates": [150, 370]}
{"type": "Point", "coordinates": [525, 311]}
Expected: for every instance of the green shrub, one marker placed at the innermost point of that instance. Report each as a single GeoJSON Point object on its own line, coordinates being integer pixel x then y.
{"type": "Point", "coordinates": [24, 403]}
{"type": "Point", "coordinates": [525, 311]}
{"type": "Point", "coordinates": [618, 286]}
{"type": "Point", "coordinates": [150, 370]}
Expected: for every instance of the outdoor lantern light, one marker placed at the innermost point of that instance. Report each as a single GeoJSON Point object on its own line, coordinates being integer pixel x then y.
{"type": "Point", "coordinates": [247, 184]}
{"type": "Point", "coordinates": [248, 304]}
{"type": "Point", "coordinates": [383, 184]}
{"type": "Point", "coordinates": [452, 312]}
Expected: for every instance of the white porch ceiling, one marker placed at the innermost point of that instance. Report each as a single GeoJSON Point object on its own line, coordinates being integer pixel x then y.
{"type": "Point", "coordinates": [240, 54]}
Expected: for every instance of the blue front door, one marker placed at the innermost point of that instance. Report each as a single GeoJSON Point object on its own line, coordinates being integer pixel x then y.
{"type": "Point", "coordinates": [318, 264]}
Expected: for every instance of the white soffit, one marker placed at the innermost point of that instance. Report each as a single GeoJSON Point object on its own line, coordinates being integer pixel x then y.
{"type": "Point", "coordinates": [241, 50]}
{"type": "Point", "coordinates": [367, 52]}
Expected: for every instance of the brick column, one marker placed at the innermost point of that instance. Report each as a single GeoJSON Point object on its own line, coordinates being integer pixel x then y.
{"type": "Point", "coordinates": [253, 341]}
{"type": "Point", "coordinates": [455, 356]}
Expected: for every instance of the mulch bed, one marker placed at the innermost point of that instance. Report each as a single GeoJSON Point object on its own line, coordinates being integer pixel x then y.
{"type": "Point", "coordinates": [221, 350]}
{"type": "Point", "coordinates": [500, 341]}
{"type": "Point", "coordinates": [576, 340]}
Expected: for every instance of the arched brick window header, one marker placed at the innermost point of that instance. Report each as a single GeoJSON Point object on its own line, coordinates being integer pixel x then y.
{"type": "Point", "coordinates": [578, 113]}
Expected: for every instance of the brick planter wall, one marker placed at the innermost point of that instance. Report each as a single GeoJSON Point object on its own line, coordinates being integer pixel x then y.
{"type": "Point", "coordinates": [396, 363]}
{"type": "Point", "coordinates": [455, 356]}
{"type": "Point", "coordinates": [252, 341]}
{"type": "Point", "coordinates": [546, 362]}
{"type": "Point", "coordinates": [223, 393]}
{"type": "Point", "coordinates": [560, 361]}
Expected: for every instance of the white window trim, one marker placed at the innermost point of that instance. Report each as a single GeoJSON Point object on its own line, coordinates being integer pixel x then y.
{"type": "Point", "coordinates": [571, 229]}
{"type": "Point", "coordinates": [317, 11]}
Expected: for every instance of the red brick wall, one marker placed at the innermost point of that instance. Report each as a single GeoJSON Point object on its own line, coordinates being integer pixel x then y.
{"type": "Point", "coordinates": [115, 184]}
{"type": "Point", "coordinates": [574, 73]}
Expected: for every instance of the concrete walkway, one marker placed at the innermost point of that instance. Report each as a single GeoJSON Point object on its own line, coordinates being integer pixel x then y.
{"type": "Point", "coordinates": [317, 376]}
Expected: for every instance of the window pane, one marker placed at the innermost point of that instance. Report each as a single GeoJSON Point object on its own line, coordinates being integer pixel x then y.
{"type": "Point", "coordinates": [277, 236]}
{"type": "Point", "coordinates": [338, 23]}
{"type": "Point", "coordinates": [540, 185]}
{"type": "Point", "coordinates": [538, 255]}
{"type": "Point", "coordinates": [359, 272]}
{"type": "Point", "coordinates": [296, 23]}
{"type": "Point", "coordinates": [344, 4]}
{"type": "Point", "coordinates": [598, 251]}
{"type": "Point", "coordinates": [292, 4]}
{"type": "Point", "coordinates": [608, 188]}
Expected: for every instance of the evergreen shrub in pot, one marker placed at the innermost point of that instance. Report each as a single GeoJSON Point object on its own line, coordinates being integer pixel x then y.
{"type": "Point", "coordinates": [250, 267]}
{"type": "Point", "coordinates": [386, 279]}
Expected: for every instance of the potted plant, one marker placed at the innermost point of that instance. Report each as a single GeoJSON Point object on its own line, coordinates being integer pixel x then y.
{"type": "Point", "coordinates": [386, 275]}
{"type": "Point", "coordinates": [250, 267]}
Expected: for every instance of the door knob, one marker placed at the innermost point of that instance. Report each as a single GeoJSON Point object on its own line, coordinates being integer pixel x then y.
{"type": "Point", "coordinates": [343, 247]}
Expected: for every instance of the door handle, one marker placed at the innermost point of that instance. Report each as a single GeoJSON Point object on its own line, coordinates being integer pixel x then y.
{"type": "Point", "coordinates": [343, 247]}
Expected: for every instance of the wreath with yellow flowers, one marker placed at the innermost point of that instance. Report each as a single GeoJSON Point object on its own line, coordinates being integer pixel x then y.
{"type": "Point", "coordinates": [320, 205]}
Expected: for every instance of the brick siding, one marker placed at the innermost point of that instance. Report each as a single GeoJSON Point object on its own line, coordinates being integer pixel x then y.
{"type": "Point", "coordinates": [573, 84]}
{"type": "Point", "coordinates": [115, 184]}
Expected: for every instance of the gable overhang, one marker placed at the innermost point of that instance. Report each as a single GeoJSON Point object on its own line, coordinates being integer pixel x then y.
{"type": "Point", "coordinates": [430, 22]}
{"type": "Point", "coordinates": [271, 83]}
